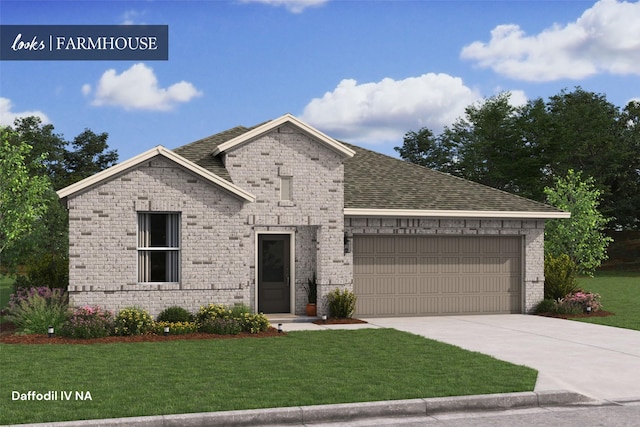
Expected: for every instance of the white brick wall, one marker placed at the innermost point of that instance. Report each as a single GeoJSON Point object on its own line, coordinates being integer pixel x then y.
{"type": "Point", "coordinates": [217, 229]}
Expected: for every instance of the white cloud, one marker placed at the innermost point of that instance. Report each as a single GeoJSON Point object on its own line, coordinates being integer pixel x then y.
{"type": "Point", "coordinates": [293, 6]}
{"type": "Point", "coordinates": [606, 38]}
{"type": "Point", "coordinates": [137, 89]}
{"type": "Point", "coordinates": [132, 17]}
{"type": "Point", "coordinates": [7, 116]}
{"type": "Point", "coordinates": [384, 111]}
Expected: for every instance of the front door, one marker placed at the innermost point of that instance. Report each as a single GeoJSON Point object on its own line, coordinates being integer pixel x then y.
{"type": "Point", "coordinates": [274, 292]}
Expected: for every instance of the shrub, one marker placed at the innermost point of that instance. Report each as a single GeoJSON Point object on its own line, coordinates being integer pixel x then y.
{"type": "Point", "coordinates": [47, 270]}
{"type": "Point", "coordinates": [342, 304]}
{"type": "Point", "coordinates": [133, 321]}
{"type": "Point", "coordinates": [583, 301]}
{"type": "Point", "coordinates": [212, 311]}
{"type": "Point", "coordinates": [239, 310]}
{"type": "Point", "coordinates": [559, 276]}
{"type": "Point", "coordinates": [175, 328]}
{"type": "Point", "coordinates": [175, 314]}
{"type": "Point", "coordinates": [546, 306]}
{"type": "Point", "coordinates": [33, 310]}
{"type": "Point", "coordinates": [221, 326]}
{"type": "Point", "coordinates": [89, 322]}
{"type": "Point", "coordinates": [253, 323]}
{"type": "Point", "coordinates": [249, 322]}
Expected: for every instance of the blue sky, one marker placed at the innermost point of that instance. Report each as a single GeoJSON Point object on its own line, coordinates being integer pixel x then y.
{"type": "Point", "coordinates": [362, 71]}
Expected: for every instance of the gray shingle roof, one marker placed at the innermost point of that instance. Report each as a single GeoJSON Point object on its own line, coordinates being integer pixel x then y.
{"type": "Point", "coordinates": [377, 181]}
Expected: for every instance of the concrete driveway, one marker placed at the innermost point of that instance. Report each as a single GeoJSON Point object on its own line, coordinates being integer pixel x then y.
{"type": "Point", "coordinates": [598, 361]}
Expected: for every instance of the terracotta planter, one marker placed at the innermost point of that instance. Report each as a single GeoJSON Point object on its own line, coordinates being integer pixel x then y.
{"type": "Point", "coordinates": [311, 310]}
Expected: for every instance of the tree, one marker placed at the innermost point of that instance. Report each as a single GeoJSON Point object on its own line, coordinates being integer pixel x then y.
{"type": "Point", "coordinates": [485, 146]}
{"type": "Point", "coordinates": [44, 250]}
{"type": "Point", "coordinates": [524, 149]}
{"type": "Point", "coordinates": [21, 193]}
{"type": "Point", "coordinates": [581, 236]}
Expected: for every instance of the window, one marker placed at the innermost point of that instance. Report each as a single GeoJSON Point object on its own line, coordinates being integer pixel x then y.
{"type": "Point", "coordinates": [286, 188]}
{"type": "Point", "coordinates": [158, 247]}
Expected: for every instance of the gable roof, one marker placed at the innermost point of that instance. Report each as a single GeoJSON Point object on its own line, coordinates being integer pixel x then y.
{"type": "Point", "coordinates": [379, 185]}
{"type": "Point", "coordinates": [260, 130]}
{"type": "Point", "coordinates": [200, 171]}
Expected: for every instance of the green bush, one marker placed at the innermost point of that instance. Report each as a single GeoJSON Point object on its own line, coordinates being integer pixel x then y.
{"type": "Point", "coordinates": [33, 310]}
{"type": "Point", "coordinates": [221, 326]}
{"type": "Point", "coordinates": [241, 313]}
{"type": "Point", "coordinates": [88, 322]}
{"type": "Point", "coordinates": [175, 314]}
{"type": "Point", "coordinates": [175, 328]}
{"type": "Point", "coordinates": [546, 306]}
{"type": "Point", "coordinates": [49, 271]}
{"type": "Point", "coordinates": [559, 276]}
{"type": "Point", "coordinates": [253, 323]}
{"type": "Point", "coordinates": [133, 321]}
{"type": "Point", "coordinates": [212, 311]}
{"type": "Point", "coordinates": [342, 304]}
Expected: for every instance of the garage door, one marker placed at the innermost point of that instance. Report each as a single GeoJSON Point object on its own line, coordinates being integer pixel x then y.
{"type": "Point", "coordinates": [437, 275]}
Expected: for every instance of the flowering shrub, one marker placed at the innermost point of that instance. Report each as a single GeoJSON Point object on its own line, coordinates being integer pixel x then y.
{"type": "Point", "coordinates": [213, 311]}
{"type": "Point", "coordinates": [133, 321]}
{"type": "Point", "coordinates": [221, 326]}
{"type": "Point", "coordinates": [33, 310]}
{"type": "Point", "coordinates": [89, 322]}
{"type": "Point", "coordinates": [252, 323]}
{"type": "Point", "coordinates": [175, 328]}
{"type": "Point", "coordinates": [582, 301]}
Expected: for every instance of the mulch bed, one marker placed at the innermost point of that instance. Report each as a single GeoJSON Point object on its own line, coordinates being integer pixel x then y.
{"type": "Point", "coordinates": [7, 336]}
{"type": "Point", "coordinates": [599, 313]}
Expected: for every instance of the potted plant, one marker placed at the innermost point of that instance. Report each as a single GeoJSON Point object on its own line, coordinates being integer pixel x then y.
{"type": "Point", "coordinates": [312, 295]}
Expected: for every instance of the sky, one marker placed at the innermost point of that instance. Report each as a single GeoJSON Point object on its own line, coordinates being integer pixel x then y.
{"type": "Point", "coordinates": [364, 72]}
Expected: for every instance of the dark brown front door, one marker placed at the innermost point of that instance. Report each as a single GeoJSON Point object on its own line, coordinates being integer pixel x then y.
{"type": "Point", "coordinates": [273, 273]}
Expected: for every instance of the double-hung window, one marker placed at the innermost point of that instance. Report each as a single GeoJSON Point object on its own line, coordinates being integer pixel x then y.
{"type": "Point", "coordinates": [158, 247]}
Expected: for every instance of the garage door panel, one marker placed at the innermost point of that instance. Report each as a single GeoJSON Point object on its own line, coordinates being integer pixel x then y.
{"type": "Point", "coordinates": [384, 286]}
{"type": "Point", "coordinates": [407, 285]}
{"type": "Point", "coordinates": [407, 265]}
{"type": "Point", "coordinates": [429, 265]}
{"type": "Point", "coordinates": [435, 275]}
{"type": "Point", "coordinates": [385, 265]}
{"type": "Point", "coordinates": [429, 285]}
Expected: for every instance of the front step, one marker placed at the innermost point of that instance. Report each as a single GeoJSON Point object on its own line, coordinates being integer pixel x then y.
{"type": "Point", "coordinates": [274, 319]}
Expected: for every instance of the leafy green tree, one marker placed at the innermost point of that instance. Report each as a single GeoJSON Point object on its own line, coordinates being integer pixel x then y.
{"type": "Point", "coordinates": [44, 250]}
{"type": "Point", "coordinates": [21, 193]}
{"type": "Point", "coordinates": [581, 236]}
{"type": "Point", "coordinates": [524, 149]}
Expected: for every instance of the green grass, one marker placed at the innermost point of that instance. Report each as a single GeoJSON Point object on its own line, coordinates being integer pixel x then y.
{"type": "Point", "coordinates": [620, 294]}
{"type": "Point", "coordinates": [301, 368]}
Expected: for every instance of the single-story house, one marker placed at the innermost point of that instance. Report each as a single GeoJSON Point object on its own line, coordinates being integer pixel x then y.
{"type": "Point", "coordinates": [250, 214]}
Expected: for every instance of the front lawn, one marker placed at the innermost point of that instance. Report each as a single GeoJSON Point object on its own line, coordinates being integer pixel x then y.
{"type": "Point", "coordinates": [301, 368]}
{"type": "Point", "coordinates": [620, 294]}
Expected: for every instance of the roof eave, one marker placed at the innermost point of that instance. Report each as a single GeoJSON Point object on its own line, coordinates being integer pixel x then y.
{"type": "Point", "coordinates": [415, 213]}
{"type": "Point", "coordinates": [147, 155]}
{"type": "Point", "coordinates": [287, 118]}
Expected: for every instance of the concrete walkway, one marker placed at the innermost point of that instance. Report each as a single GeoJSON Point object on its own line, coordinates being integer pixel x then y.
{"type": "Point", "coordinates": [598, 361]}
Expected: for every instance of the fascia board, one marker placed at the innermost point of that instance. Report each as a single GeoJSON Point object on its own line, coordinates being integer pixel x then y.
{"type": "Point", "coordinates": [287, 118]}
{"type": "Point", "coordinates": [147, 155]}
{"type": "Point", "coordinates": [455, 213]}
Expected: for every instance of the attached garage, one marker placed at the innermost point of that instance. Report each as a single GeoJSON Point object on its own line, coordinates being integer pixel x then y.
{"type": "Point", "coordinates": [437, 275]}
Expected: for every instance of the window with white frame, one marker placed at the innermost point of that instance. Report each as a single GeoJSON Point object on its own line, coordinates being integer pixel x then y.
{"type": "Point", "coordinates": [158, 247]}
